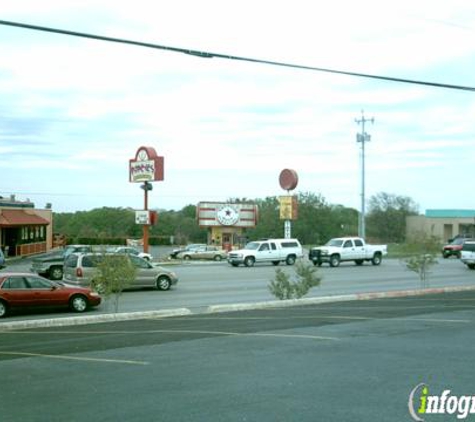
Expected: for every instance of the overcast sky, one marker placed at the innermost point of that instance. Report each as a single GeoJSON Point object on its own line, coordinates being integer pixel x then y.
{"type": "Point", "coordinates": [74, 111]}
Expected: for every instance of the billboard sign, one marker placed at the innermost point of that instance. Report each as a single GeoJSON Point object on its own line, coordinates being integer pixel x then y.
{"type": "Point", "coordinates": [146, 167]}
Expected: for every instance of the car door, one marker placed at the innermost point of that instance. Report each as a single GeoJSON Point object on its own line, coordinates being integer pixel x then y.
{"type": "Point", "coordinates": [360, 251]}
{"type": "Point", "coordinates": [275, 252]}
{"type": "Point", "coordinates": [145, 273]}
{"type": "Point", "coordinates": [17, 292]}
{"type": "Point", "coordinates": [348, 250]}
{"type": "Point", "coordinates": [45, 292]}
{"type": "Point", "coordinates": [264, 252]}
{"type": "Point", "coordinates": [199, 253]}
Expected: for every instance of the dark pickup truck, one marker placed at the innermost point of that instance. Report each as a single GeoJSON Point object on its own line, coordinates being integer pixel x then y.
{"type": "Point", "coordinates": [51, 265]}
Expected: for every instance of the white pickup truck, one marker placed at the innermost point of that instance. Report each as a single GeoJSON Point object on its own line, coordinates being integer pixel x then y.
{"type": "Point", "coordinates": [347, 249]}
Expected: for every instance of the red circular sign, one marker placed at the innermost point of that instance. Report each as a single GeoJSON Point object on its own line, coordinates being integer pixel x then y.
{"type": "Point", "coordinates": [288, 179]}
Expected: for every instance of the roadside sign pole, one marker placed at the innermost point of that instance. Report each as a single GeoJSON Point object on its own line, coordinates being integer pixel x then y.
{"type": "Point", "coordinates": [287, 229]}
{"type": "Point", "coordinates": [146, 187]}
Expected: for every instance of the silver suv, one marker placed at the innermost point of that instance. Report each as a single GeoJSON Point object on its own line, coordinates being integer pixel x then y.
{"type": "Point", "coordinates": [80, 269]}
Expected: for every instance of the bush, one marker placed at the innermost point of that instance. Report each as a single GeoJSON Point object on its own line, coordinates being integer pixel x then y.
{"type": "Point", "coordinates": [421, 256]}
{"type": "Point", "coordinates": [306, 276]}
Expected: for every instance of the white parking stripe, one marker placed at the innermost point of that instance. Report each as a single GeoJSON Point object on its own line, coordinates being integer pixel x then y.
{"type": "Point", "coordinates": [40, 355]}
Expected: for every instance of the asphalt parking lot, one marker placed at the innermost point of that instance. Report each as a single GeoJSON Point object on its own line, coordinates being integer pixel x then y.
{"type": "Point", "coordinates": [355, 361]}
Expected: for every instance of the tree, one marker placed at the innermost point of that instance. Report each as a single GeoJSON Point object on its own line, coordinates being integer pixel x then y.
{"type": "Point", "coordinates": [113, 274]}
{"type": "Point", "coordinates": [386, 218]}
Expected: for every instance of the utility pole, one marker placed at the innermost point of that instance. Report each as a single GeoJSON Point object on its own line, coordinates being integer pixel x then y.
{"type": "Point", "coordinates": [362, 137]}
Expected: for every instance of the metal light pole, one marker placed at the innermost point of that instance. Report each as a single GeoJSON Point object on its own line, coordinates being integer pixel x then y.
{"type": "Point", "coordinates": [362, 137]}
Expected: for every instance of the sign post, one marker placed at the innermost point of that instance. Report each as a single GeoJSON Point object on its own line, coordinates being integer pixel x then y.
{"type": "Point", "coordinates": [146, 167]}
{"type": "Point", "coordinates": [288, 180]}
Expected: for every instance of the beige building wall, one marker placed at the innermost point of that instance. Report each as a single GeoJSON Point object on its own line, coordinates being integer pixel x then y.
{"type": "Point", "coordinates": [47, 214]}
{"type": "Point", "coordinates": [442, 227]}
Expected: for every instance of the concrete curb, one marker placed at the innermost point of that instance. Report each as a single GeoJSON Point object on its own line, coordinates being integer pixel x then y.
{"type": "Point", "coordinates": [91, 319]}
{"type": "Point", "coordinates": [212, 309]}
{"type": "Point", "coordinates": [336, 298]}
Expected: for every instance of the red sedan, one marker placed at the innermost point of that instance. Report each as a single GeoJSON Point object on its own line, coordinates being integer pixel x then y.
{"type": "Point", "coordinates": [27, 290]}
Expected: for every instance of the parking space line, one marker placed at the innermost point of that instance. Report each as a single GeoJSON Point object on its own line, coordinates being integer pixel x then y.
{"type": "Point", "coordinates": [217, 333]}
{"type": "Point", "coordinates": [40, 355]}
{"type": "Point", "coordinates": [237, 334]}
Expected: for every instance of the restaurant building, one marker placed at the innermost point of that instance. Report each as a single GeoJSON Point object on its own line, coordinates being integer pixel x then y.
{"type": "Point", "coordinates": [24, 230]}
{"type": "Point", "coordinates": [227, 222]}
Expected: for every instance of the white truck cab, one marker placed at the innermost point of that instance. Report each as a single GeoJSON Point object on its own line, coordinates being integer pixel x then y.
{"type": "Point", "coordinates": [267, 250]}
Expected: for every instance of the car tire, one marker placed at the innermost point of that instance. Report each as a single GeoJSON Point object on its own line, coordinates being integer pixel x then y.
{"type": "Point", "coordinates": [3, 309]}
{"type": "Point", "coordinates": [275, 263]}
{"type": "Point", "coordinates": [78, 303]}
{"type": "Point", "coordinates": [290, 260]}
{"type": "Point", "coordinates": [218, 258]}
{"type": "Point", "coordinates": [56, 273]}
{"type": "Point", "coordinates": [471, 266]}
{"type": "Point", "coordinates": [234, 264]}
{"type": "Point", "coordinates": [187, 257]}
{"type": "Point", "coordinates": [249, 261]}
{"type": "Point", "coordinates": [163, 283]}
{"type": "Point", "coordinates": [359, 262]}
{"type": "Point", "coordinates": [334, 261]}
{"type": "Point", "coordinates": [377, 258]}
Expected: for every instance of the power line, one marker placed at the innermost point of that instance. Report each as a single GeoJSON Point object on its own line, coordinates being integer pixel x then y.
{"type": "Point", "coordinates": [209, 55]}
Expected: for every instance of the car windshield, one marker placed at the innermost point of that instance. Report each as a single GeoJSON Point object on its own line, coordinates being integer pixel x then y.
{"type": "Point", "coordinates": [334, 242]}
{"type": "Point", "coordinates": [252, 245]}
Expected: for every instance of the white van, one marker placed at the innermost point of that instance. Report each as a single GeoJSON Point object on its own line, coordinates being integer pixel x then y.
{"type": "Point", "coordinates": [267, 250]}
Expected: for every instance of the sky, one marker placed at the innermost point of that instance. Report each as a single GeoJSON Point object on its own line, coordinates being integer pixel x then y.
{"type": "Point", "coordinates": [74, 111]}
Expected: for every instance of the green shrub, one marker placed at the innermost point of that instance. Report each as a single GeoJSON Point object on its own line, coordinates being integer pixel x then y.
{"type": "Point", "coordinates": [306, 276]}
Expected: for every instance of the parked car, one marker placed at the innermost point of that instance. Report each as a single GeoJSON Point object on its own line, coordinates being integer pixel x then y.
{"type": "Point", "coordinates": [467, 254]}
{"type": "Point", "coordinates": [203, 252]}
{"type": "Point", "coordinates": [80, 269]}
{"type": "Point", "coordinates": [2, 260]}
{"type": "Point", "coordinates": [132, 251]}
{"type": "Point", "coordinates": [187, 248]}
{"type": "Point", "coordinates": [454, 248]}
{"type": "Point", "coordinates": [50, 265]}
{"type": "Point", "coordinates": [27, 290]}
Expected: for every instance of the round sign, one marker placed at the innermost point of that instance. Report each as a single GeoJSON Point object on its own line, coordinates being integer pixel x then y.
{"type": "Point", "coordinates": [227, 216]}
{"type": "Point", "coordinates": [288, 179]}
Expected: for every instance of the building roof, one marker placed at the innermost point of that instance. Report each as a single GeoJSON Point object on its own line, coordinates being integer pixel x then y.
{"type": "Point", "coordinates": [450, 213]}
{"type": "Point", "coordinates": [10, 218]}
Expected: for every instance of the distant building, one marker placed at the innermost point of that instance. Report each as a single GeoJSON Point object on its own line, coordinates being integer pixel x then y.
{"type": "Point", "coordinates": [24, 230]}
{"type": "Point", "coordinates": [226, 222]}
{"type": "Point", "coordinates": [442, 223]}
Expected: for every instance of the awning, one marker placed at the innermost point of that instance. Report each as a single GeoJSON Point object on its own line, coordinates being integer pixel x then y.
{"type": "Point", "coordinates": [14, 218]}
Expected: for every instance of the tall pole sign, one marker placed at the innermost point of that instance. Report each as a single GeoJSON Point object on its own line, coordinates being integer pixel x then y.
{"type": "Point", "coordinates": [145, 168]}
{"type": "Point", "coordinates": [288, 180]}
